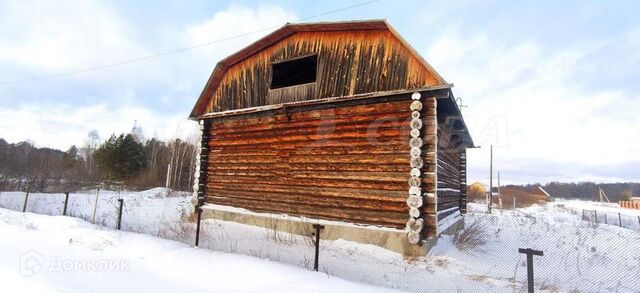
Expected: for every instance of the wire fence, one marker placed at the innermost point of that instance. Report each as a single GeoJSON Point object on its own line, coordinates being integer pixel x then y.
{"type": "Point", "coordinates": [579, 255]}
{"type": "Point", "coordinates": [153, 212]}
{"type": "Point", "coordinates": [612, 218]}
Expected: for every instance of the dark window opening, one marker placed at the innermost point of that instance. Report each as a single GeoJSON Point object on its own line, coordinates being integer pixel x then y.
{"type": "Point", "coordinates": [294, 72]}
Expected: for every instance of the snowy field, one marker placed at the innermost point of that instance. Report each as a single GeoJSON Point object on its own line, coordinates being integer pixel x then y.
{"type": "Point", "coordinates": [62, 254]}
{"type": "Point", "coordinates": [580, 256]}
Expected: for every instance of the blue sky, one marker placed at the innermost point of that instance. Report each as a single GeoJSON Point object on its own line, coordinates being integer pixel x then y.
{"type": "Point", "coordinates": [553, 85]}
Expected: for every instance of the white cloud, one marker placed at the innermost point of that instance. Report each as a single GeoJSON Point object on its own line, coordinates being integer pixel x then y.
{"type": "Point", "coordinates": [235, 20]}
{"type": "Point", "coordinates": [545, 115]}
{"type": "Point", "coordinates": [78, 34]}
{"type": "Point", "coordinates": [64, 35]}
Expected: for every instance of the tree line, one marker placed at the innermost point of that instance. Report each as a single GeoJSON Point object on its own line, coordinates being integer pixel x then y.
{"type": "Point", "coordinates": [585, 190]}
{"type": "Point", "coordinates": [529, 193]}
{"type": "Point", "coordinates": [127, 159]}
{"type": "Point", "coordinates": [589, 190]}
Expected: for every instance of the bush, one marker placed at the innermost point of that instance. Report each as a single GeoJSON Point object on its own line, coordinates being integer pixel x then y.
{"type": "Point", "coordinates": [472, 236]}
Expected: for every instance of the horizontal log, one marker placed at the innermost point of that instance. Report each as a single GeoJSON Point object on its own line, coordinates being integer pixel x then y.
{"type": "Point", "coordinates": [309, 167]}
{"type": "Point", "coordinates": [357, 158]}
{"type": "Point", "coordinates": [398, 120]}
{"type": "Point", "coordinates": [363, 134]}
{"type": "Point", "coordinates": [381, 167]}
{"type": "Point", "coordinates": [282, 123]}
{"type": "Point", "coordinates": [450, 172]}
{"type": "Point", "coordinates": [446, 179]}
{"type": "Point", "coordinates": [381, 108]}
{"type": "Point", "coordinates": [354, 176]}
{"type": "Point", "coordinates": [441, 199]}
{"type": "Point", "coordinates": [285, 156]}
{"type": "Point", "coordinates": [365, 184]}
{"type": "Point", "coordinates": [450, 193]}
{"type": "Point", "coordinates": [447, 185]}
{"type": "Point", "coordinates": [442, 215]}
{"type": "Point", "coordinates": [447, 205]}
{"type": "Point", "coordinates": [342, 192]}
{"type": "Point", "coordinates": [372, 126]}
{"type": "Point", "coordinates": [362, 142]}
{"type": "Point", "coordinates": [312, 200]}
{"type": "Point", "coordinates": [393, 220]}
{"type": "Point", "coordinates": [348, 150]}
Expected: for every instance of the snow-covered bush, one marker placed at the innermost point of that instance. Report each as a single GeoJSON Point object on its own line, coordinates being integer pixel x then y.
{"type": "Point", "coordinates": [472, 236]}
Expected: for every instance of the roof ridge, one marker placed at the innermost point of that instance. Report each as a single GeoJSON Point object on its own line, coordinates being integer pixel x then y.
{"type": "Point", "coordinates": [289, 29]}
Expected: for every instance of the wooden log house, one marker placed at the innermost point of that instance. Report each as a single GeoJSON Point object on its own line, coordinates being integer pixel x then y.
{"type": "Point", "coordinates": [342, 122]}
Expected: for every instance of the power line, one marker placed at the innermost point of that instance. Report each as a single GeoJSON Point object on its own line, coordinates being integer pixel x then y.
{"type": "Point", "coordinates": [179, 50]}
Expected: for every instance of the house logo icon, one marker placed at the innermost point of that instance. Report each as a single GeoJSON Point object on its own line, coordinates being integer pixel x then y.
{"type": "Point", "coordinates": [31, 263]}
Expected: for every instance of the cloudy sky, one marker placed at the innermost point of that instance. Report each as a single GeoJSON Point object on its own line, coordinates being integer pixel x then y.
{"type": "Point", "coordinates": [552, 85]}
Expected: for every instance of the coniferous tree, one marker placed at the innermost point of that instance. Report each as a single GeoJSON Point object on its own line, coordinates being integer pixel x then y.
{"type": "Point", "coordinates": [121, 157]}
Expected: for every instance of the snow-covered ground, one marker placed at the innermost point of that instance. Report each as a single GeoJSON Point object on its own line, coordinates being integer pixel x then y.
{"type": "Point", "coordinates": [148, 211]}
{"type": "Point", "coordinates": [578, 212]}
{"type": "Point", "coordinates": [579, 255]}
{"type": "Point", "coordinates": [63, 254]}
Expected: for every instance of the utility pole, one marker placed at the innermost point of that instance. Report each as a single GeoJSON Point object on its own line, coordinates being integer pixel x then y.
{"type": "Point", "coordinates": [490, 197]}
{"type": "Point", "coordinates": [499, 194]}
{"type": "Point", "coordinates": [603, 195]}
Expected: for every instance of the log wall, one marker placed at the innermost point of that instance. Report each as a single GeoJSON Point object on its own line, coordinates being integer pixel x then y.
{"type": "Point", "coordinates": [346, 163]}
{"type": "Point", "coordinates": [349, 63]}
{"type": "Point", "coordinates": [463, 181]}
{"type": "Point", "coordinates": [449, 175]}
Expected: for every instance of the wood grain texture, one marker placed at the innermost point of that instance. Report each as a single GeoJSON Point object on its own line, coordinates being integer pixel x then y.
{"type": "Point", "coordinates": [448, 168]}
{"type": "Point", "coordinates": [463, 182]}
{"type": "Point", "coordinates": [349, 62]}
{"type": "Point", "coordinates": [345, 164]}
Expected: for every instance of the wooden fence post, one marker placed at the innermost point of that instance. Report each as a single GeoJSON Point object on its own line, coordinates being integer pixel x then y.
{"type": "Point", "coordinates": [605, 218]}
{"type": "Point", "coordinates": [596, 214]}
{"type": "Point", "coordinates": [620, 219]}
{"type": "Point", "coordinates": [318, 227]}
{"type": "Point", "coordinates": [199, 211]}
{"type": "Point", "coordinates": [530, 253]}
{"type": "Point", "coordinates": [66, 202]}
{"type": "Point", "coordinates": [95, 207]}
{"type": "Point", "coordinates": [26, 199]}
{"type": "Point", "coordinates": [119, 223]}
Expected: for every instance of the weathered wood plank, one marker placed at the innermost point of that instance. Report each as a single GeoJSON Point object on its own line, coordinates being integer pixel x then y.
{"type": "Point", "coordinates": [349, 62]}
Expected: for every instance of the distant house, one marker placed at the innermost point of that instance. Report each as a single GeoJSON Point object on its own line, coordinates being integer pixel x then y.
{"type": "Point", "coordinates": [341, 123]}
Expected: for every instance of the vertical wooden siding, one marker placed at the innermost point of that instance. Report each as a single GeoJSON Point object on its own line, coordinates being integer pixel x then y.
{"type": "Point", "coordinates": [346, 164]}
{"type": "Point", "coordinates": [349, 62]}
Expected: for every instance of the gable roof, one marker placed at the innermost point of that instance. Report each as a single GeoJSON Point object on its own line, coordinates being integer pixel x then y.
{"type": "Point", "coordinates": [286, 31]}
